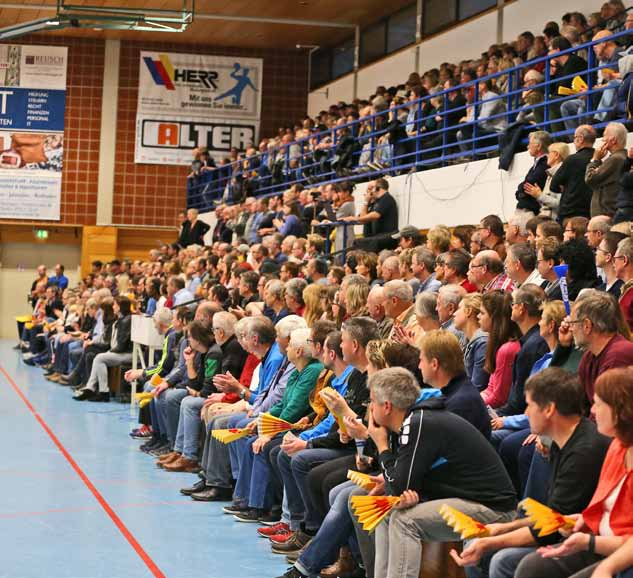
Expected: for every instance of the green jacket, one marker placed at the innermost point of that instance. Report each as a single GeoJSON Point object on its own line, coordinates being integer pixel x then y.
{"type": "Point", "coordinates": [296, 400]}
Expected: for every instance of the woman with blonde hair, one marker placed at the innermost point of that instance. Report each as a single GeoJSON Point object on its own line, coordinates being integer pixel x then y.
{"type": "Point", "coordinates": [312, 299]}
{"type": "Point", "coordinates": [374, 351]}
{"type": "Point", "coordinates": [356, 300]}
{"type": "Point", "coordinates": [467, 320]}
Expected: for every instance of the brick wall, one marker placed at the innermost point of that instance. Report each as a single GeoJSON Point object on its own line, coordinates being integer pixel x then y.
{"type": "Point", "coordinates": [147, 194]}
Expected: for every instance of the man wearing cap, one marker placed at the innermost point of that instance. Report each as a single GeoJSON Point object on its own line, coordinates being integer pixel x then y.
{"type": "Point", "coordinates": [408, 237]}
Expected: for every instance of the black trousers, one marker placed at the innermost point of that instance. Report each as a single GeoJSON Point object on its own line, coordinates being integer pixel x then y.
{"type": "Point", "coordinates": [327, 476]}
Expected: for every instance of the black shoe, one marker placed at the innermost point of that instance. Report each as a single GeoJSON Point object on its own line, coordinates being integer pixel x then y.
{"type": "Point", "coordinates": [151, 445]}
{"type": "Point", "coordinates": [250, 516]}
{"type": "Point", "coordinates": [84, 394]}
{"type": "Point", "coordinates": [270, 518]}
{"type": "Point", "coordinates": [235, 509]}
{"type": "Point", "coordinates": [197, 487]}
{"type": "Point", "coordinates": [292, 572]}
{"type": "Point", "coordinates": [102, 396]}
{"type": "Point", "coordinates": [213, 494]}
{"type": "Point", "coordinates": [161, 450]}
{"type": "Point", "coordinates": [48, 368]}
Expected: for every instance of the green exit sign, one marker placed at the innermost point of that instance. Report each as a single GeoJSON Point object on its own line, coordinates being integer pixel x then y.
{"type": "Point", "coordinates": [41, 234]}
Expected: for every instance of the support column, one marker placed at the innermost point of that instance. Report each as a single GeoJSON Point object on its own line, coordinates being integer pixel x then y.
{"type": "Point", "coordinates": [356, 58]}
{"type": "Point", "coordinates": [500, 6]}
{"type": "Point", "coordinates": [107, 142]}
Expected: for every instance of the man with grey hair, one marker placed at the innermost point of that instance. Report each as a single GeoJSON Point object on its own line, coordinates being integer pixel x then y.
{"type": "Point", "coordinates": [390, 269]}
{"type": "Point", "coordinates": [569, 179]}
{"type": "Point", "coordinates": [398, 304]}
{"type": "Point", "coordinates": [294, 295]}
{"type": "Point", "coordinates": [516, 228]}
{"type": "Point", "coordinates": [538, 142]}
{"type": "Point", "coordinates": [603, 176]}
{"type": "Point", "coordinates": [423, 267]}
{"type": "Point", "coordinates": [474, 479]}
{"type": "Point", "coordinates": [448, 300]}
{"type": "Point", "coordinates": [426, 311]}
{"type": "Point", "coordinates": [623, 264]}
{"type": "Point", "coordinates": [521, 265]}
{"type": "Point", "coordinates": [593, 326]}
{"type": "Point", "coordinates": [376, 308]}
{"type": "Point", "coordinates": [597, 228]}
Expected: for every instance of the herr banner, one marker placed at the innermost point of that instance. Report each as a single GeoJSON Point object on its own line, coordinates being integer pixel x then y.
{"type": "Point", "coordinates": [190, 100]}
{"type": "Point", "coordinates": [32, 108]}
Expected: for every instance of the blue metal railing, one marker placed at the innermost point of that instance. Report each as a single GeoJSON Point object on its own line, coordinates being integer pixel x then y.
{"type": "Point", "coordinates": [379, 144]}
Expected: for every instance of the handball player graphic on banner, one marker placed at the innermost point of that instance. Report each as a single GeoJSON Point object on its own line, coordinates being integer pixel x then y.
{"type": "Point", "coordinates": [187, 101]}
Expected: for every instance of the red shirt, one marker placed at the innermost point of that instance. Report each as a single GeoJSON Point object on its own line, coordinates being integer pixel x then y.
{"type": "Point", "coordinates": [613, 470]}
{"type": "Point", "coordinates": [617, 353]}
{"type": "Point", "coordinates": [470, 288]}
{"type": "Point", "coordinates": [245, 378]}
{"type": "Point", "coordinates": [626, 305]}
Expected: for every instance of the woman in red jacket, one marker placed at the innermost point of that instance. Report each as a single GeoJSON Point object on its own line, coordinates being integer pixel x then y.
{"type": "Point", "coordinates": [607, 522]}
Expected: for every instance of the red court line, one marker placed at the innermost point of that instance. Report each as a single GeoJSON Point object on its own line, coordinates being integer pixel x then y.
{"type": "Point", "coordinates": [151, 565]}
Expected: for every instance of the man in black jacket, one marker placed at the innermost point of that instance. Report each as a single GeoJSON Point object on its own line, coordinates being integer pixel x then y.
{"type": "Point", "coordinates": [569, 179]}
{"type": "Point", "coordinates": [538, 143]}
{"type": "Point", "coordinates": [439, 459]}
{"type": "Point", "coordinates": [555, 407]}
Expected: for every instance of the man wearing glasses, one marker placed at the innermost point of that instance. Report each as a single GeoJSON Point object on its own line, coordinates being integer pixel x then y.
{"type": "Point", "coordinates": [593, 327]}
{"type": "Point", "coordinates": [623, 264]}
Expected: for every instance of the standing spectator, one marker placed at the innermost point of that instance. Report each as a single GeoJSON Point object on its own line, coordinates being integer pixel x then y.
{"type": "Point", "coordinates": [538, 143]}
{"type": "Point", "coordinates": [193, 230]}
{"type": "Point", "coordinates": [603, 176]}
{"type": "Point", "coordinates": [59, 279]}
{"type": "Point", "coordinates": [569, 180]}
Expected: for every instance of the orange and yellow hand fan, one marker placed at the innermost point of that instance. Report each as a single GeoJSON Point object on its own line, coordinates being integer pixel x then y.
{"type": "Point", "coordinates": [156, 380]}
{"type": "Point", "coordinates": [371, 510]}
{"type": "Point", "coordinates": [463, 524]}
{"type": "Point", "coordinates": [268, 425]}
{"type": "Point", "coordinates": [337, 417]}
{"type": "Point", "coordinates": [226, 436]}
{"type": "Point", "coordinates": [362, 480]}
{"type": "Point", "coordinates": [544, 519]}
{"type": "Point", "coordinates": [577, 85]}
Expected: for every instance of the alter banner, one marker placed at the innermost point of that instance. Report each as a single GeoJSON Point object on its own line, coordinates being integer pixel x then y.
{"type": "Point", "coordinates": [190, 100]}
{"type": "Point", "coordinates": [32, 108]}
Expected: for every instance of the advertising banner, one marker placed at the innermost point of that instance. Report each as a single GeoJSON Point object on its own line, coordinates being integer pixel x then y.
{"type": "Point", "coordinates": [191, 100]}
{"type": "Point", "coordinates": [32, 107]}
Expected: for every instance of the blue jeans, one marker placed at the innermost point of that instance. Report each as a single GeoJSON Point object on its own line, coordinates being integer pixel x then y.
{"type": "Point", "coordinates": [173, 399]}
{"type": "Point", "coordinates": [243, 485]}
{"type": "Point", "coordinates": [537, 485]}
{"type": "Point", "coordinates": [294, 472]}
{"type": "Point", "coordinates": [189, 424]}
{"type": "Point", "coordinates": [336, 530]}
{"type": "Point", "coordinates": [236, 449]}
{"type": "Point", "coordinates": [626, 574]}
{"type": "Point", "coordinates": [260, 496]}
{"type": "Point", "coordinates": [504, 562]}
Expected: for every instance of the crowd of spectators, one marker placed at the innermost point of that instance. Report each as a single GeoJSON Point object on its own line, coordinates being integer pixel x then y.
{"type": "Point", "coordinates": [456, 366]}
{"type": "Point", "coordinates": [448, 357]}
{"type": "Point", "coordinates": [407, 126]}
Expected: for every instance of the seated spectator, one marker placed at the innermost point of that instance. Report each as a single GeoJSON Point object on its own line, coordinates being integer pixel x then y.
{"type": "Point", "coordinates": [597, 326]}
{"type": "Point", "coordinates": [603, 176]}
{"type": "Point", "coordinates": [547, 257]}
{"type": "Point", "coordinates": [119, 353]}
{"type": "Point", "coordinates": [521, 265]}
{"type": "Point", "coordinates": [398, 304]}
{"type": "Point", "coordinates": [605, 262]}
{"type": "Point", "coordinates": [502, 346]}
{"type": "Point", "coordinates": [486, 272]}
{"type": "Point", "coordinates": [516, 228]}
{"type": "Point", "coordinates": [595, 534]}
{"type": "Point", "coordinates": [376, 310]}
{"type": "Point", "coordinates": [461, 236]}
{"type": "Point", "coordinates": [555, 408]}
{"type": "Point", "coordinates": [466, 320]}
{"type": "Point", "coordinates": [438, 239]}
{"type": "Point", "coordinates": [491, 231]}
{"type": "Point", "coordinates": [423, 267]}
{"type": "Point", "coordinates": [581, 263]}
{"type": "Point", "coordinates": [548, 228]}
{"type": "Point", "coordinates": [479, 486]}
{"type": "Point", "coordinates": [575, 228]}
{"type": "Point", "coordinates": [623, 265]}
{"type": "Point", "coordinates": [294, 296]}
{"type": "Point", "coordinates": [456, 270]}
{"type": "Point", "coordinates": [448, 299]}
